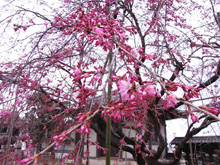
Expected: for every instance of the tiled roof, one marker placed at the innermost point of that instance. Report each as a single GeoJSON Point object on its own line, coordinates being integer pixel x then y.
{"type": "Point", "coordinates": [198, 139]}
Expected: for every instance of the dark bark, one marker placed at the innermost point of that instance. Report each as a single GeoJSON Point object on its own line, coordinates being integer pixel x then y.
{"type": "Point", "coordinates": [190, 133]}
{"type": "Point", "coordinates": [212, 79]}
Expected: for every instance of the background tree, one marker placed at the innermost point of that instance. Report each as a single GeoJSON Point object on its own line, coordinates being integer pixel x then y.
{"type": "Point", "coordinates": [154, 57]}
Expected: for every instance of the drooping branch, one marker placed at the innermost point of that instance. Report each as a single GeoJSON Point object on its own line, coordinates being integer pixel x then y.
{"type": "Point", "coordinates": [210, 81]}
{"type": "Point", "coordinates": [215, 15]}
{"type": "Point", "coordinates": [201, 110]}
{"type": "Point", "coordinates": [142, 39]}
{"type": "Point", "coordinates": [155, 17]}
{"type": "Point", "coordinates": [67, 133]}
{"type": "Point", "coordinates": [35, 13]}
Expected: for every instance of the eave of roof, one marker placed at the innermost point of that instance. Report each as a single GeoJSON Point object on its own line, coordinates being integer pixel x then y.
{"type": "Point", "coordinates": [198, 139]}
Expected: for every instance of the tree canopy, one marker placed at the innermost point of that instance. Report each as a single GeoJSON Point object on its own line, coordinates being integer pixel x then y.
{"type": "Point", "coordinates": [133, 63]}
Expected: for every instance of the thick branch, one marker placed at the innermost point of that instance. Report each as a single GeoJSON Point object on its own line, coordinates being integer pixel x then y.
{"type": "Point", "coordinates": [190, 134]}
{"type": "Point", "coordinates": [212, 79]}
{"type": "Point", "coordinates": [137, 70]}
{"type": "Point", "coordinates": [94, 125]}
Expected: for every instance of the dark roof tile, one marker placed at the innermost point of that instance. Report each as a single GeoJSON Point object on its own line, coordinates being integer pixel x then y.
{"type": "Point", "coordinates": [198, 139]}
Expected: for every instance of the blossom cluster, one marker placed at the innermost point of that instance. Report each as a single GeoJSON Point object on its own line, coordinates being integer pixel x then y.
{"type": "Point", "coordinates": [59, 138]}
{"type": "Point", "coordinates": [100, 29]}
{"type": "Point", "coordinates": [130, 91]}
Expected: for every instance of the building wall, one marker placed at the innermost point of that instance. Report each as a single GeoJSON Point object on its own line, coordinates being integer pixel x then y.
{"type": "Point", "coordinates": [93, 149]}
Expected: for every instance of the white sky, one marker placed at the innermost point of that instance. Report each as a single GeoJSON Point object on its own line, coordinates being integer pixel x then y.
{"type": "Point", "coordinates": [178, 128]}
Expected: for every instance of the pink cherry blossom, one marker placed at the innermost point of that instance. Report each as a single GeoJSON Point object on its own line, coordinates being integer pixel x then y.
{"type": "Point", "coordinates": [151, 56]}
{"type": "Point", "coordinates": [194, 118]}
{"type": "Point", "coordinates": [77, 71]}
{"type": "Point", "coordinates": [172, 86]}
{"type": "Point", "coordinates": [58, 144]}
{"type": "Point", "coordinates": [24, 161]}
{"type": "Point", "coordinates": [99, 32]}
{"type": "Point", "coordinates": [135, 52]}
{"type": "Point", "coordinates": [55, 138]}
{"type": "Point", "coordinates": [158, 94]}
{"type": "Point", "coordinates": [124, 87]}
{"type": "Point", "coordinates": [150, 90]}
{"type": "Point", "coordinates": [170, 101]}
{"type": "Point", "coordinates": [85, 128]}
{"type": "Point", "coordinates": [214, 110]}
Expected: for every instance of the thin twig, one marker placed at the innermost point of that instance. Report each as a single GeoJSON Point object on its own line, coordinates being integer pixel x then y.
{"type": "Point", "coordinates": [70, 130]}
{"type": "Point", "coordinates": [201, 110]}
